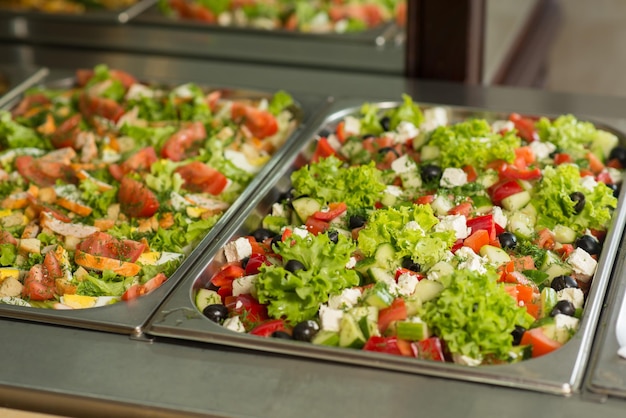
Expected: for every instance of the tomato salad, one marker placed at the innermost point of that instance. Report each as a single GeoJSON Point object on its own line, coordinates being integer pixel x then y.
{"type": "Point", "coordinates": [106, 187]}
{"type": "Point", "coordinates": [472, 242]}
{"type": "Point", "coordinates": [318, 16]}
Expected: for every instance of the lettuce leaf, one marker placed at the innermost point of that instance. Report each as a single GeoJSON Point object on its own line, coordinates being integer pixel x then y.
{"type": "Point", "coordinates": [570, 135]}
{"type": "Point", "coordinates": [280, 101]}
{"type": "Point", "coordinates": [554, 206]}
{"type": "Point", "coordinates": [474, 315]}
{"type": "Point", "coordinates": [419, 242]}
{"type": "Point", "coordinates": [406, 112]}
{"type": "Point", "coordinates": [8, 252]}
{"type": "Point", "coordinates": [298, 296]}
{"type": "Point", "coordinates": [473, 143]}
{"type": "Point", "coordinates": [327, 180]}
{"type": "Point", "coordinates": [14, 135]}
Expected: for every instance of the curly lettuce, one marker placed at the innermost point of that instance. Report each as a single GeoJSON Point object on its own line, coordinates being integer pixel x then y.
{"type": "Point", "coordinates": [297, 296]}
{"type": "Point", "coordinates": [473, 143]}
{"type": "Point", "coordinates": [554, 205]}
{"type": "Point", "coordinates": [327, 180]}
{"type": "Point", "coordinates": [409, 230]}
{"type": "Point", "coordinates": [474, 315]}
{"type": "Point", "coordinates": [14, 135]}
{"type": "Point", "coordinates": [570, 135]}
{"type": "Point", "coordinates": [408, 111]}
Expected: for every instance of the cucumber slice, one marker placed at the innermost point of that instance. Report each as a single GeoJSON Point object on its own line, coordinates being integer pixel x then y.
{"type": "Point", "coordinates": [427, 290]}
{"type": "Point", "coordinates": [521, 224]}
{"type": "Point", "coordinates": [558, 269]}
{"type": "Point", "coordinates": [206, 297]}
{"type": "Point", "coordinates": [414, 330]}
{"type": "Point", "coordinates": [548, 300]}
{"type": "Point", "coordinates": [305, 207]}
{"type": "Point", "coordinates": [482, 204]}
{"type": "Point", "coordinates": [367, 318]}
{"type": "Point", "coordinates": [564, 234]}
{"type": "Point", "coordinates": [275, 223]}
{"type": "Point", "coordinates": [516, 201]}
{"type": "Point", "coordinates": [495, 255]}
{"type": "Point", "coordinates": [326, 337]}
{"type": "Point", "coordinates": [385, 256]}
{"type": "Point", "coordinates": [413, 305]}
{"type": "Point", "coordinates": [379, 296]}
{"type": "Point", "coordinates": [430, 152]}
{"type": "Point", "coordinates": [350, 334]}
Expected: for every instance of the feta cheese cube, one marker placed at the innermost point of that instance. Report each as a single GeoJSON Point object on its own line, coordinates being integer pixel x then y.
{"type": "Point", "coordinates": [502, 126]}
{"type": "Point", "coordinates": [413, 226]}
{"type": "Point", "coordinates": [301, 232]}
{"type": "Point", "coordinates": [351, 263]}
{"type": "Point", "coordinates": [434, 118]}
{"type": "Point", "coordinates": [499, 217]}
{"type": "Point", "coordinates": [572, 294]}
{"type": "Point", "coordinates": [330, 319]}
{"type": "Point", "coordinates": [403, 165]}
{"type": "Point", "coordinates": [615, 174]}
{"type": "Point", "coordinates": [244, 285]}
{"type": "Point", "coordinates": [237, 250]}
{"type": "Point", "coordinates": [406, 284]}
{"type": "Point", "coordinates": [234, 324]}
{"type": "Point", "coordinates": [453, 177]}
{"type": "Point", "coordinates": [393, 190]}
{"type": "Point", "coordinates": [405, 131]}
{"type": "Point", "coordinates": [333, 141]}
{"type": "Point", "coordinates": [278, 210]}
{"type": "Point", "coordinates": [456, 223]}
{"type": "Point", "coordinates": [466, 360]}
{"type": "Point", "coordinates": [588, 182]}
{"type": "Point", "coordinates": [565, 326]}
{"type": "Point", "coordinates": [469, 260]}
{"type": "Point", "coordinates": [346, 299]}
{"type": "Point", "coordinates": [542, 150]}
{"type": "Point", "coordinates": [582, 263]}
{"type": "Point", "coordinates": [351, 126]}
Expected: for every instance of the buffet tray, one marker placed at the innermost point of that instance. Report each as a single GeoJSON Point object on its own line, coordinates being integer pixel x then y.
{"type": "Point", "coordinates": [90, 15]}
{"type": "Point", "coordinates": [129, 317]}
{"type": "Point", "coordinates": [557, 373]}
{"type": "Point", "coordinates": [379, 35]}
{"type": "Point", "coordinates": [607, 374]}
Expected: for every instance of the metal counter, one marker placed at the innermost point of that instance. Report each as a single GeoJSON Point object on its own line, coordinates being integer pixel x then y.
{"type": "Point", "coordinates": [76, 372]}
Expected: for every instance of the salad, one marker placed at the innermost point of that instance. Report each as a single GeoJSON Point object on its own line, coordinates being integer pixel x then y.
{"type": "Point", "coordinates": [319, 16]}
{"type": "Point", "coordinates": [473, 241]}
{"type": "Point", "coordinates": [106, 187]}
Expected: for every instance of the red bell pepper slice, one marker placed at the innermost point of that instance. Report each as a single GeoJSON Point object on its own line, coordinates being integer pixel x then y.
{"type": "Point", "coordinates": [334, 210]}
{"type": "Point", "coordinates": [484, 222]}
{"type": "Point", "coordinates": [562, 158]}
{"type": "Point", "coordinates": [477, 240]}
{"type": "Point", "coordinates": [247, 305]}
{"type": "Point", "coordinates": [323, 150]}
{"type": "Point", "coordinates": [539, 341]}
{"type": "Point", "coordinates": [504, 189]}
{"type": "Point", "coordinates": [430, 349]}
{"type": "Point", "coordinates": [315, 226]}
{"type": "Point", "coordinates": [227, 274]}
{"type": "Point", "coordinates": [390, 345]}
{"type": "Point", "coordinates": [513, 172]}
{"type": "Point", "coordinates": [425, 200]}
{"type": "Point", "coordinates": [464, 209]}
{"type": "Point", "coordinates": [255, 262]}
{"type": "Point", "coordinates": [525, 127]}
{"type": "Point", "coordinates": [267, 328]}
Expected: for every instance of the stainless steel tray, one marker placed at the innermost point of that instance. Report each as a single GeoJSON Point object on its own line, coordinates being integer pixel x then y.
{"type": "Point", "coordinates": [558, 373]}
{"type": "Point", "coordinates": [607, 375]}
{"type": "Point", "coordinates": [129, 317]}
{"type": "Point", "coordinates": [90, 15]}
{"type": "Point", "coordinates": [14, 80]}
{"type": "Point", "coordinates": [379, 35]}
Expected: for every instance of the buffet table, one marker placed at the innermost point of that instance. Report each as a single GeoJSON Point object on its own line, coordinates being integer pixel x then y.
{"type": "Point", "coordinates": [74, 372]}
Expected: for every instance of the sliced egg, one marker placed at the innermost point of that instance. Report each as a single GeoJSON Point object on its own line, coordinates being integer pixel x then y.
{"type": "Point", "coordinates": [78, 301]}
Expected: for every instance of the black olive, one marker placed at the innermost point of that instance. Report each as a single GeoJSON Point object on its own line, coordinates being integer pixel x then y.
{"type": "Point", "coordinates": [262, 234]}
{"type": "Point", "coordinates": [517, 334]}
{"type": "Point", "coordinates": [579, 201]}
{"type": "Point", "coordinates": [589, 244]}
{"type": "Point", "coordinates": [294, 265]}
{"type": "Point", "coordinates": [333, 236]}
{"type": "Point", "coordinates": [619, 153]}
{"type": "Point", "coordinates": [564, 307]}
{"type": "Point", "coordinates": [563, 282]}
{"type": "Point", "coordinates": [305, 330]}
{"type": "Point", "coordinates": [431, 172]}
{"type": "Point", "coordinates": [281, 335]}
{"type": "Point", "coordinates": [277, 238]}
{"type": "Point", "coordinates": [508, 240]}
{"type": "Point", "coordinates": [409, 264]}
{"type": "Point", "coordinates": [385, 150]}
{"type": "Point", "coordinates": [385, 123]}
{"type": "Point", "coordinates": [324, 132]}
{"type": "Point", "coordinates": [357, 221]}
{"type": "Point", "coordinates": [615, 188]}
{"type": "Point", "coordinates": [216, 312]}
{"type": "Point", "coordinates": [244, 262]}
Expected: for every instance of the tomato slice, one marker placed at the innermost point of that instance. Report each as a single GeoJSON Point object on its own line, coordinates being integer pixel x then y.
{"type": "Point", "coordinates": [142, 160]}
{"type": "Point", "coordinates": [513, 172]}
{"type": "Point", "coordinates": [323, 149]}
{"type": "Point", "coordinates": [261, 123]}
{"type": "Point", "coordinates": [105, 245]}
{"type": "Point", "coordinates": [430, 349]}
{"type": "Point", "coordinates": [504, 189]}
{"type": "Point", "coordinates": [525, 127]}
{"type": "Point", "coordinates": [464, 209]}
{"type": "Point", "coordinates": [389, 345]}
{"type": "Point", "coordinates": [255, 262]}
{"type": "Point", "coordinates": [199, 177]}
{"type": "Point", "coordinates": [185, 143]}
{"type": "Point", "coordinates": [100, 106]}
{"type": "Point", "coordinates": [540, 343]}
{"type": "Point", "coordinates": [316, 226]}
{"type": "Point", "coordinates": [247, 305]}
{"type": "Point", "coordinates": [395, 312]}
{"type": "Point", "coordinates": [65, 134]}
{"type": "Point", "coordinates": [136, 200]}
{"type": "Point", "coordinates": [38, 285]}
